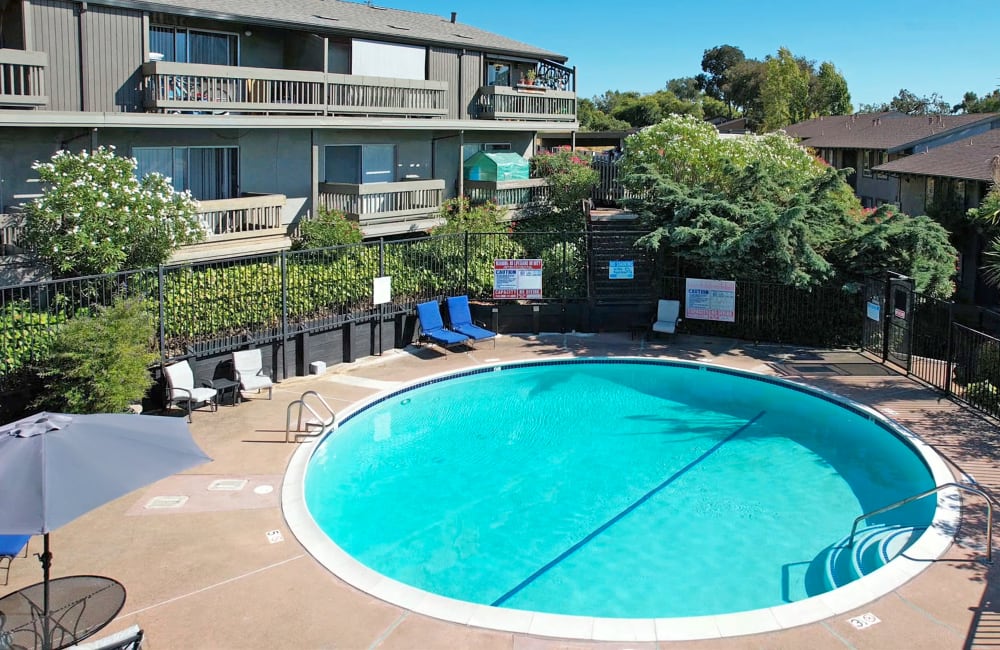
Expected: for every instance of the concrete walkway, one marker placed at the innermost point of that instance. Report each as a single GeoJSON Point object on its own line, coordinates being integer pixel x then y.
{"type": "Point", "coordinates": [209, 562]}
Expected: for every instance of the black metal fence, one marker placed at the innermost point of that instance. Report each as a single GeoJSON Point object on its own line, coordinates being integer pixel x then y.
{"type": "Point", "coordinates": [211, 308]}
{"type": "Point", "coordinates": [938, 342]}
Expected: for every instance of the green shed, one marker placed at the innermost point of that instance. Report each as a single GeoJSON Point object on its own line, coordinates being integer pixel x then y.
{"type": "Point", "coordinates": [496, 166]}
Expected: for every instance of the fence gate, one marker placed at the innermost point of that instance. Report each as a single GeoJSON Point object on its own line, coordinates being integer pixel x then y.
{"type": "Point", "coordinates": [619, 271]}
{"type": "Point", "coordinates": [898, 318]}
{"type": "Point", "coordinates": [874, 332]}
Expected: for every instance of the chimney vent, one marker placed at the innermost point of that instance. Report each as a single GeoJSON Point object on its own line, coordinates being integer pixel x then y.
{"type": "Point", "coordinates": [454, 16]}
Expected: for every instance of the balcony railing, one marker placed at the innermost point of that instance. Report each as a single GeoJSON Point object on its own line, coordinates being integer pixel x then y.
{"type": "Point", "coordinates": [253, 213]}
{"type": "Point", "coordinates": [375, 203]}
{"type": "Point", "coordinates": [515, 195]}
{"type": "Point", "coordinates": [526, 103]}
{"type": "Point", "coordinates": [22, 78]}
{"type": "Point", "coordinates": [200, 88]}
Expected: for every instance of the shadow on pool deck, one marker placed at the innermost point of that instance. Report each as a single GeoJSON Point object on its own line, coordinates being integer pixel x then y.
{"type": "Point", "coordinates": [213, 574]}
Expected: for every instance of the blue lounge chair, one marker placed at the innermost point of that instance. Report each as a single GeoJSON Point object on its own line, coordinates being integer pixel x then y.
{"type": "Point", "coordinates": [461, 321]}
{"type": "Point", "coordinates": [11, 546]}
{"type": "Point", "coordinates": [432, 326]}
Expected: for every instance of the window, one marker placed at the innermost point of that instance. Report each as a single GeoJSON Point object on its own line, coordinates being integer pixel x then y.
{"type": "Point", "coordinates": [470, 149]}
{"type": "Point", "coordinates": [208, 172]}
{"type": "Point", "coordinates": [873, 158]}
{"type": "Point", "coordinates": [194, 46]}
{"type": "Point", "coordinates": [374, 59]}
{"type": "Point", "coordinates": [497, 73]}
{"type": "Point", "coordinates": [360, 164]}
{"type": "Point", "coordinates": [929, 193]}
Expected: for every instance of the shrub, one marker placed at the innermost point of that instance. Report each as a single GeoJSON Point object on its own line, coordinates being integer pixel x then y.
{"type": "Point", "coordinates": [99, 363]}
{"type": "Point", "coordinates": [571, 180]}
{"type": "Point", "coordinates": [95, 216]}
{"type": "Point", "coordinates": [327, 228]}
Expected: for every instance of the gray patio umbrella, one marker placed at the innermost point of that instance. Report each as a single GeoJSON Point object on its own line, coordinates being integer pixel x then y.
{"type": "Point", "coordinates": [55, 467]}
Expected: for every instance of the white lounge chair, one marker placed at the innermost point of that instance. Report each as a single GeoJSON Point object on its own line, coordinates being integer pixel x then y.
{"type": "Point", "coordinates": [249, 367]}
{"type": "Point", "coordinates": [128, 639]}
{"type": "Point", "coordinates": [667, 316]}
{"type": "Point", "coordinates": [182, 391]}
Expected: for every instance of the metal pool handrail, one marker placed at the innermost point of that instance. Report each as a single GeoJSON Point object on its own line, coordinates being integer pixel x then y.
{"type": "Point", "coordinates": [320, 421]}
{"type": "Point", "coordinates": [915, 497]}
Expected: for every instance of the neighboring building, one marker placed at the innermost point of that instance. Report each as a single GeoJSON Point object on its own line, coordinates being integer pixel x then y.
{"type": "Point", "coordinates": [946, 181]}
{"type": "Point", "coordinates": [865, 141]}
{"type": "Point", "coordinates": [267, 110]}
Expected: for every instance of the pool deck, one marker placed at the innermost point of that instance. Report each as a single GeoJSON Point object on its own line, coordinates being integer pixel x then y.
{"type": "Point", "coordinates": [222, 570]}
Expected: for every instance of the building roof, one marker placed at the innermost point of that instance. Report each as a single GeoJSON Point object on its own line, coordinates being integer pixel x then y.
{"type": "Point", "coordinates": [347, 18]}
{"type": "Point", "coordinates": [969, 159]}
{"type": "Point", "coordinates": [878, 130]}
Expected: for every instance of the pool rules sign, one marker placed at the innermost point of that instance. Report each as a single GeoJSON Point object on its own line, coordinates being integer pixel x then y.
{"type": "Point", "coordinates": [517, 279]}
{"type": "Point", "coordinates": [710, 300]}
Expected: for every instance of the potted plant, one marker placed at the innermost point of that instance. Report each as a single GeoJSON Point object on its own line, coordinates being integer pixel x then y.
{"type": "Point", "coordinates": [529, 77]}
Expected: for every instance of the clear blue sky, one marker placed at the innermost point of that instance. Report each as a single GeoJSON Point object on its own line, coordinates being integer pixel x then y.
{"type": "Point", "coordinates": [879, 46]}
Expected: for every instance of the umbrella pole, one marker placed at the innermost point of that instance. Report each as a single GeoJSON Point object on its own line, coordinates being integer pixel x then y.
{"type": "Point", "coordinates": [46, 560]}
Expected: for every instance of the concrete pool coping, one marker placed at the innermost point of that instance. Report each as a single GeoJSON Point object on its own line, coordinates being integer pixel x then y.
{"type": "Point", "coordinates": [931, 545]}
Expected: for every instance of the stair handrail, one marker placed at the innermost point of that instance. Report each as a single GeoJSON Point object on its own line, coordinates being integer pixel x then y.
{"type": "Point", "coordinates": [324, 422]}
{"type": "Point", "coordinates": [916, 497]}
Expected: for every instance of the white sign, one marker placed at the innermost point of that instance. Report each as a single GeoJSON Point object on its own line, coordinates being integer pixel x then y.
{"type": "Point", "coordinates": [874, 311]}
{"type": "Point", "coordinates": [517, 279]}
{"type": "Point", "coordinates": [621, 270]}
{"type": "Point", "coordinates": [274, 536]}
{"type": "Point", "coordinates": [710, 300]}
{"type": "Point", "coordinates": [382, 290]}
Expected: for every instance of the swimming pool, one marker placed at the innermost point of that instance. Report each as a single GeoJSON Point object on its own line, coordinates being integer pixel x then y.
{"type": "Point", "coordinates": [616, 489]}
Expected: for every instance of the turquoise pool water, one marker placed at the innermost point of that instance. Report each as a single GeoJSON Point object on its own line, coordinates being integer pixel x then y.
{"type": "Point", "coordinates": [613, 489]}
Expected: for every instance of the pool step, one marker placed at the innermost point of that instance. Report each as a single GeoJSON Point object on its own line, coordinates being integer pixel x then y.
{"type": "Point", "coordinates": [873, 548]}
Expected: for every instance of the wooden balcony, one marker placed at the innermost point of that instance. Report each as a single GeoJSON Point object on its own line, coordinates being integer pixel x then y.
{"type": "Point", "coordinates": [533, 103]}
{"type": "Point", "coordinates": [22, 78]}
{"type": "Point", "coordinates": [246, 225]}
{"type": "Point", "coordinates": [385, 208]}
{"type": "Point", "coordinates": [513, 195]}
{"type": "Point", "coordinates": [251, 214]}
{"type": "Point", "coordinates": [216, 89]}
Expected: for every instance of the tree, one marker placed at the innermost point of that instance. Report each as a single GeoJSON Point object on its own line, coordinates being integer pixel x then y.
{"type": "Point", "coordinates": [715, 62]}
{"type": "Point", "coordinates": [100, 363]}
{"type": "Point", "coordinates": [685, 88]}
{"type": "Point", "coordinates": [593, 119]}
{"type": "Point", "coordinates": [764, 209]}
{"type": "Point", "coordinates": [909, 103]}
{"type": "Point", "coordinates": [828, 94]}
{"type": "Point", "coordinates": [784, 91]}
{"type": "Point", "coordinates": [639, 112]}
{"type": "Point", "coordinates": [95, 216]}
{"type": "Point", "coordinates": [972, 103]}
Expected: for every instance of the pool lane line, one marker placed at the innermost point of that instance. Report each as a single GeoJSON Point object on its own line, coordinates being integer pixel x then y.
{"type": "Point", "coordinates": [611, 522]}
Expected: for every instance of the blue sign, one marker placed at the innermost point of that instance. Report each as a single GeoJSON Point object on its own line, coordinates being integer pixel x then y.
{"type": "Point", "coordinates": [621, 270]}
{"type": "Point", "coordinates": [874, 311]}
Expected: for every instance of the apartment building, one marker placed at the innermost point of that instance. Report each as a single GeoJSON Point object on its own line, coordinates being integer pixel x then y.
{"type": "Point", "coordinates": [266, 111]}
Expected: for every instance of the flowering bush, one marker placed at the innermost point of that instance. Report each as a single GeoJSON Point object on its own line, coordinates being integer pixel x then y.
{"type": "Point", "coordinates": [96, 217]}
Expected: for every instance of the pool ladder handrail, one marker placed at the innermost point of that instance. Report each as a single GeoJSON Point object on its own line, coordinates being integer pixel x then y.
{"type": "Point", "coordinates": [916, 497]}
{"type": "Point", "coordinates": [320, 421]}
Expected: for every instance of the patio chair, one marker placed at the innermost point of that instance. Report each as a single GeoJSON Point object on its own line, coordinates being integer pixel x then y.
{"type": "Point", "coordinates": [249, 367]}
{"type": "Point", "coordinates": [461, 321]}
{"type": "Point", "coordinates": [128, 639]}
{"type": "Point", "coordinates": [182, 391]}
{"type": "Point", "coordinates": [12, 546]}
{"type": "Point", "coordinates": [667, 316]}
{"type": "Point", "coordinates": [432, 326]}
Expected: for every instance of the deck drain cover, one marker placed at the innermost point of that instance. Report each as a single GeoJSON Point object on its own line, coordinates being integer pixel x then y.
{"type": "Point", "coordinates": [160, 503]}
{"type": "Point", "coordinates": [228, 484]}
{"type": "Point", "coordinates": [263, 489]}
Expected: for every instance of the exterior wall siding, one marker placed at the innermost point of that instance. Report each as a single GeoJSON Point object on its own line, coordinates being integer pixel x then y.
{"type": "Point", "coordinates": [56, 31]}
{"type": "Point", "coordinates": [443, 66]}
{"type": "Point", "coordinates": [472, 80]}
{"type": "Point", "coordinates": [113, 55]}
{"type": "Point", "coordinates": [912, 192]}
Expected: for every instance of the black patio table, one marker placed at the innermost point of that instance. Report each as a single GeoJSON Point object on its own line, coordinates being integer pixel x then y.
{"type": "Point", "coordinates": [79, 606]}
